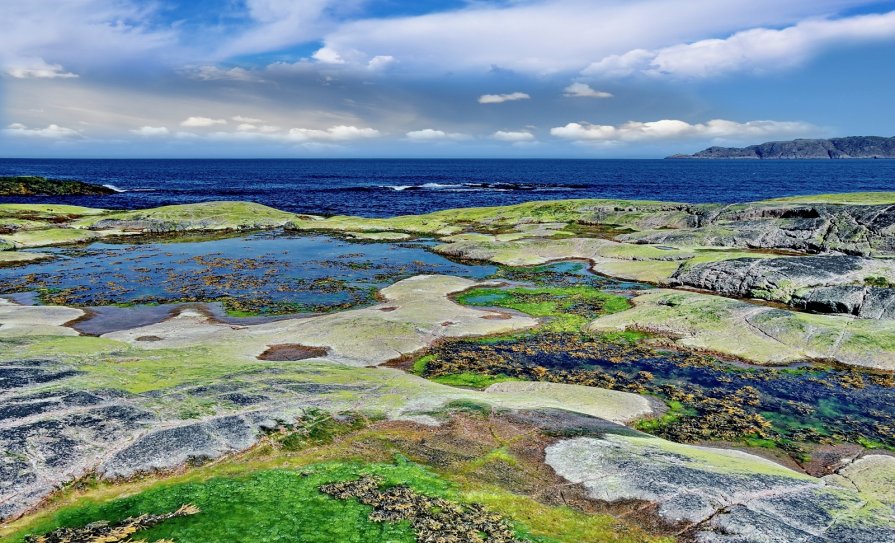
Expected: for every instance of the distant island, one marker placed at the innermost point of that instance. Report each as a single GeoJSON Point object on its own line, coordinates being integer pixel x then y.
{"type": "Point", "coordinates": [835, 148]}
{"type": "Point", "coordinates": [30, 185]}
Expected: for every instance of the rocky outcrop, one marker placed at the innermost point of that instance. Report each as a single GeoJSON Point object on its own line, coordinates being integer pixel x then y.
{"type": "Point", "coordinates": [850, 147]}
{"type": "Point", "coordinates": [29, 185]}
{"type": "Point", "coordinates": [811, 228]}
{"type": "Point", "coordinates": [827, 284]}
{"type": "Point", "coordinates": [718, 495]}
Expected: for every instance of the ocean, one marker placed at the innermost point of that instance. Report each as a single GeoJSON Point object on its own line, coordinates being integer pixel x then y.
{"type": "Point", "coordinates": [386, 187]}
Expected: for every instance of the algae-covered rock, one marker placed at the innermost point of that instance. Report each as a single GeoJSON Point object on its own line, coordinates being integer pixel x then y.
{"type": "Point", "coordinates": [610, 405]}
{"type": "Point", "coordinates": [187, 217]}
{"type": "Point", "coordinates": [757, 333]}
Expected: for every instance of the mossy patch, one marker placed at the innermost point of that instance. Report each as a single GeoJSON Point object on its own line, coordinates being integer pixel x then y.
{"type": "Point", "coordinates": [566, 308]}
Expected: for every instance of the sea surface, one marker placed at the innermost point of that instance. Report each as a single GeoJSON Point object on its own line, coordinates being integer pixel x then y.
{"type": "Point", "coordinates": [378, 188]}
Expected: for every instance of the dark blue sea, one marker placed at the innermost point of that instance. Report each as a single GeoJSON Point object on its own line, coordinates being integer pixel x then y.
{"type": "Point", "coordinates": [395, 187]}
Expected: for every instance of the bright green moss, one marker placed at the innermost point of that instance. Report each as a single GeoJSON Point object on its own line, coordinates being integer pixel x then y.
{"type": "Point", "coordinates": [568, 309]}
{"type": "Point", "coordinates": [472, 380]}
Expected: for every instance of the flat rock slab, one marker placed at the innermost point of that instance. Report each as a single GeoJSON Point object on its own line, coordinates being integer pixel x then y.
{"type": "Point", "coordinates": [416, 312]}
{"type": "Point", "coordinates": [606, 404]}
{"type": "Point", "coordinates": [20, 320]}
{"type": "Point", "coordinates": [722, 495]}
{"type": "Point", "coordinates": [758, 333]}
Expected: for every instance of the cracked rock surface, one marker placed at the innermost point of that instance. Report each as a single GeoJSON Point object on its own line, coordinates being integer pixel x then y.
{"type": "Point", "coordinates": [719, 495]}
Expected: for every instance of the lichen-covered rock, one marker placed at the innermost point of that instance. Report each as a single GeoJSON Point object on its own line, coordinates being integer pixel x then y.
{"type": "Point", "coordinates": [805, 227]}
{"type": "Point", "coordinates": [757, 333]}
{"type": "Point", "coordinates": [719, 495]}
{"type": "Point", "coordinates": [827, 284]}
{"type": "Point", "coordinates": [191, 217]}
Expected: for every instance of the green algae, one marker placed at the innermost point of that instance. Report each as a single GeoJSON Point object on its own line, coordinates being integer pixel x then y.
{"type": "Point", "coordinates": [567, 308]}
{"type": "Point", "coordinates": [472, 380]}
{"type": "Point", "coordinates": [201, 216]}
{"type": "Point", "coordinates": [48, 236]}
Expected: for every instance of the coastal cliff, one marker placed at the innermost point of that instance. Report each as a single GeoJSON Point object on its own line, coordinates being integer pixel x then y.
{"type": "Point", "coordinates": [835, 148]}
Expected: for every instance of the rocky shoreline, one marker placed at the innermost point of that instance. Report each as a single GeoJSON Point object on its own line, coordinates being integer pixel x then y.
{"type": "Point", "coordinates": [806, 279]}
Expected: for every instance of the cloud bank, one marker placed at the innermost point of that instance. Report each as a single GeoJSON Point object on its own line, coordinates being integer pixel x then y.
{"type": "Point", "coordinates": [669, 129]}
{"type": "Point", "coordinates": [755, 50]}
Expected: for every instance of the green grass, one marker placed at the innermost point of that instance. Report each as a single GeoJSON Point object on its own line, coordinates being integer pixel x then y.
{"type": "Point", "coordinates": [270, 505]}
{"type": "Point", "coordinates": [265, 506]}
{"type": "Point", "coordinates": [568, 309]}
{"type": "Point", "coordinates": [472, 380]}
{"type": "Point", "coordinates": [419, 367]}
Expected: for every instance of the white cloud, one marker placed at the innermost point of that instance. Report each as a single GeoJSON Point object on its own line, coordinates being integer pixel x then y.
{"type": "Point", "coordinates": [518, 136]}
{"type": "Point", "coordinates": [198, 122]}
{"type": "Point", "coordinates": [552, 36]}
{"type": "Point", "coordinates": [215, 73]}
{"type": "Point", "coordinates": [151, 131]}
{"type": "Point", "coordinates": [53, 131]}
{"type": "Point", "coordinates": [278, 24]}
{"type": "Point", "coordinates": [334, 133]}
{"type": "Point", "coordinates": [431, 134]}
{"type": "Point", "coordinates": [39, 38]}
{"type": "Point", "coordinates": [242, 119]}
{"type": "Point", "coordinates": [501, 98]}
{"type": "Point", "coordinates": [328, 56]}
{"type": "Point", "coordinates": [668, 129]}
{"type": "Point", "coordinates": [583, 90]}
{"type": "Point", "coordinates": [264, 128]}
{"type": "Point", "coordinates": [38, 68]}
{"type": "Point", "coordinates": [755, 50]}
{"type": "Point", "coordinates": [380, 62]}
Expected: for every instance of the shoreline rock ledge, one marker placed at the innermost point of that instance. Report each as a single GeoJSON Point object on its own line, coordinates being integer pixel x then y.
{"type": "Point", "coordinates": [862, 147]}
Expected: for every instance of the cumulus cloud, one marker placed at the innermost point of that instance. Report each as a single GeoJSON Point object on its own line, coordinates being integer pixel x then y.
{"type": "Point", "coordinates": [53, 131]}
{"type": "Point", "coordinates": [243, 119]}
{"type": "Point", "coordinates": [328, 56]}
{"type": "Point", "coordinates": [514, 136]}
{"type": "Point", "coordinates": [200, 122]}
{"type": "Point", "coordinates": [501, 98]}
{"type": "Point", "coordinates": [38, 68]}
{"type": "Point", "coordinates": [151, 131]}
{"type": "Point", "coordinates": [334, 133]}
{"type": "Point", "coordinates": [755, 50]}
{"type": "Point", "coordinates": [583, 90]}
{"type": "Point", "coordinates": [250, 127]}
{"type": "Point", "coordinates": [669, 129]}
{"type": "Point", "coordinates": [431, 134]}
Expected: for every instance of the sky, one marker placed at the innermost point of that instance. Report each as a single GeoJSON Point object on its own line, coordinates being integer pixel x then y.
{"type": "Point", "coordinates": [440, 78]}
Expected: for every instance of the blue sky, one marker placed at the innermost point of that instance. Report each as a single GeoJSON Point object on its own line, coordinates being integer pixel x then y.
{"type": "Point", "coordinates": [445, 78]}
